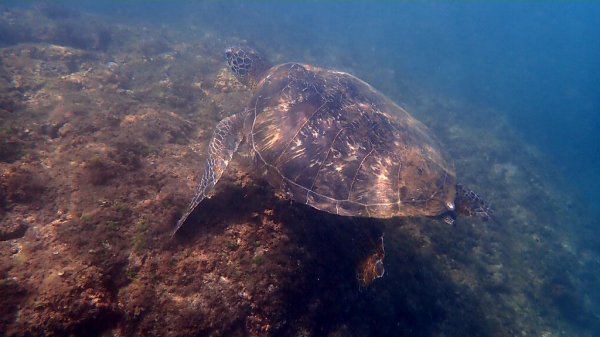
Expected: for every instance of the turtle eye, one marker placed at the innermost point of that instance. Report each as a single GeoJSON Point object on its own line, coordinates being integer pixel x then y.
{"type": "Point", "coordinates": [379, 269]}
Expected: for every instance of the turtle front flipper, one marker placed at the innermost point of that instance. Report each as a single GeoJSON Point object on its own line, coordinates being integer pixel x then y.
{"type": "Point", "coordinates": [225, 141]}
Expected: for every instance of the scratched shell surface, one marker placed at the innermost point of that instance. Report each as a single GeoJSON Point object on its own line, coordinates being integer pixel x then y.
{"type": "Point", "coordinates": [333, 142]}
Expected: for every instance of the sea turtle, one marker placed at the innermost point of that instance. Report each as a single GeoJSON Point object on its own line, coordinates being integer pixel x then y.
{"type": "Point", "coordinates": [331, 141]}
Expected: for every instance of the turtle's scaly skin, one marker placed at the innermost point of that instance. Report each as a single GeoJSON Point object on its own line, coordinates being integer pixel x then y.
{"type": "Point", "coordinates": [333, 142]}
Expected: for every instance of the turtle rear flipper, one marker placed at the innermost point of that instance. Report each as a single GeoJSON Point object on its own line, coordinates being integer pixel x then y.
{"type": "Point", "coordinates": [371, 267]}
{"type": "Point", "coordinates": [224, 143]}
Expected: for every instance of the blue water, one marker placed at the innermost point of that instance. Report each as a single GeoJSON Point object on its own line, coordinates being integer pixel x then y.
{"type": "Point", "coordinates": [536, 64]}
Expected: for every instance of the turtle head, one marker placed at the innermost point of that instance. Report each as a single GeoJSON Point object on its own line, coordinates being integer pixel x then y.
{"type": "Point", "coordinates": [467, 203]}
{"type": "Point", "coordinates": [247, 65]}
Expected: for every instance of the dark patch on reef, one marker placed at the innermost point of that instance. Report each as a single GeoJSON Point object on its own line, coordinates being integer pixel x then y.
{"type": "Point", "coordinates": [12, 294]}
{"type": "Point", "coordinates": [12, 231]}
{"type": "Point", "coordinates": [22, 186]}
{"type": "Point", "coordinates": [11, 146]}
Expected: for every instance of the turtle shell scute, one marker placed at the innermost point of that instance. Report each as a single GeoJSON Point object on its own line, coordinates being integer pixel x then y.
{"type": "Point", "coordinates": [331, 141]}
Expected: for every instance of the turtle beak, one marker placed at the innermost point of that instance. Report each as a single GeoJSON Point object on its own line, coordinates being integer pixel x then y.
{"type": "Point", "coordinates": [449, 218]}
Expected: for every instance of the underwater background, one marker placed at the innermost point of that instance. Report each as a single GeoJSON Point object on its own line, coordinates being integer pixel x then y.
{"type": "Point", "coordinates": [106, 110]}
{"type": "Point", "coordinates": [536, 63]}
